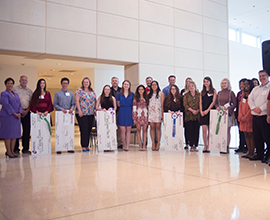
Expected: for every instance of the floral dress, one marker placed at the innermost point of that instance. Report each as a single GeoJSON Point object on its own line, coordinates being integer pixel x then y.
{"type": "Point", "coordinates": [86, 101]}
{"type": "Point", "coordinates": [140, 112]}
{"type": "Point", "coordinates": [155, 109]}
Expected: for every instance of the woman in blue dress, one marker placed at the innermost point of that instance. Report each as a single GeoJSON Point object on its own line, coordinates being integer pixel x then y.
{"type": "Point", "coordinates": [10, 115]}
{"type": "Point", "coordinates": [124, 120]}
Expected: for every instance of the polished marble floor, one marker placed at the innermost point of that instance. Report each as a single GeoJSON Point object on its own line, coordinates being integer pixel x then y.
{"type": "Point", "coordinates": [133, 185]}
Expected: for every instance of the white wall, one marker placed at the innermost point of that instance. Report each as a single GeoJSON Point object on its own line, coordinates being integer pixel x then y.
{"type": "Point", "coordinates": [184, 38]}
{"type": "Point", "coordinates": [15, 72]}
{"type": "Point", "coordinates": [245, 62]}
{"type": "Point", "coordinates": [103, 76]}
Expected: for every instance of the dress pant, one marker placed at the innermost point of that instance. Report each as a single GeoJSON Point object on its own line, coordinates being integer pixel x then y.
{"type": "Point", "coordinates": [85, 124]}
{"type": "Point", "coordinates": [25, 135]}
{"type": "Point", "coordinates": [261, 134]}
{"type": "Point", "coordinates": [118, 134]}
{"type": "Point", "coordinates": [192, 129]}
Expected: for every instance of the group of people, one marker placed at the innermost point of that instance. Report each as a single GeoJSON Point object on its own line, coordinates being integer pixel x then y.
{"type": "Point", "coordinates": [142, 108]}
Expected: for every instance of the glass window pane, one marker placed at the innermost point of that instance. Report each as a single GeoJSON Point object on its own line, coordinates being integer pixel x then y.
{"type": "Point", "coordinates": [232, 34]}
{"type": "Point", "coordinates": [249, 40]}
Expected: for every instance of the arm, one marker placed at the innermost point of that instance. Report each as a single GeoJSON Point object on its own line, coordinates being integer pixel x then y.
{"type": "Point", "coordinates": [97, 105]}
{"type": "Point", "coordinates": [162, 102]}
{"type": "Point", "coordinates": [114, 103]}
{"type": "Point", "coordinates": [240, 114]}
{"type": "Point", "coordinates": [234, 103]}
{"type": "Point", "coordinates": [268, 111]}
{"type": "Point", "coordinates": [77, 98]}
{"type": "Point", "coordinates": [213, 102]}
{"type": "Point", "coordinates": [217, 105]}
{"type": "Point", "coordinates": [72, 103]}
{"type": "Point", "coordinates": [6, 105]}
{"type": "Point", "coordinates": [201, 110]}
{"type": "Point", "coordinates": [251, 99]}
{"type": "Point", "coordinates": [50, 105]}
{"type": "Point", "coordinates": [134, 111]}
{"type": "Point", "coordinates": [56, 103]}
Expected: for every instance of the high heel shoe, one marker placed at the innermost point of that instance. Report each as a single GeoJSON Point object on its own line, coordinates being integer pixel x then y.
{"type": "Point", "coordinates": [10, 156]}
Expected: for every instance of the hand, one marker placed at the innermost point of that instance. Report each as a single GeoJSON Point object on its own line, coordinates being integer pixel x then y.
{"type": "Point", "coordinates": [64, 110]}
{"type": "Point", "coordinates": [225, 109]}
{"type": "Point", "coordinates": [218, 108]}
{"type": "Point", "coordinates": [70, 111]}
{"type": "Point", "coordinates": [46, 113]}
{"type": "Point", "coordinates": [24, 113]}
{"type": "Point", "coordinates": [80, 114]}
{"type": "Point", "coordinates": [170, 111]}
{"type": "Point", "coordinates": [104, 110]}
{"type": "Point", "coordinates": [268, 119]}
{"type": "Point", "coordinates": [205, 112]}
{"type": "Point", "coordinates": [39, 113]}
{"type": "Point", "coordinates": [257, 110]}
{"type": "Point", "coordinates": [202, 113]}
{"type": "Point", "coordinates": [196, 112]}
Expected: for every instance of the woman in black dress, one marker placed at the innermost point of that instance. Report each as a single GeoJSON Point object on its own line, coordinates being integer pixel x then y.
{"type": "Point", "coordinates": [174, 101]}
{"type": "Point", "coordinates": [106, 100]}
{"type": "Point", "coordinates": [207, 102]}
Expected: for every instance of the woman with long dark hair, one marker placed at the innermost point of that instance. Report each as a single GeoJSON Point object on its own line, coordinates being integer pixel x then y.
{"type": "Point", "coordinates": [174, 101]}
{"type": "Point", "coordinates": [41, 102]}
{"type": "Point", "coordinates": [207, 102]}
{"type": "Point", "coordinates": [106, 100]}
{"type": "Point", "coordinates": [140, 114]}
{"type": "Point", "coordinates": [124, 102]}
{"type": "Point", "coordinates": [156, 100]}
{"type": "Point", "coordinates": [245, 118]}
{"type": "Point", "coordinates": [85, 99]}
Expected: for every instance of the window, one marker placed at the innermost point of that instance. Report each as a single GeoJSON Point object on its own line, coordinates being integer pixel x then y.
{"type": "Point", "coordinates": [232, 34]}
{"type": "Point", "coordinates": [249, 40]}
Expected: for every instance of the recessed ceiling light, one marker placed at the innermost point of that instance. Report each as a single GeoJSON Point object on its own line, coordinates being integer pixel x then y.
{"type": "Point", "coordinates": [44, 72]}
{"type": "Point", "coordinates": [71, 74]}
{"type": "Point", "coordinates": [59, 64]}
{"type": "Point", "coordinates": [234, 19]}
{"type": "Point", "coordinates": [39, 73]}
{"type": "Point", "coordinates": [253, 6]}
{"type": "Point", "coordinates": [249, 24]}
{"type": "Point", "coordinates": [243, 22]}
{"type": "Point", "coordinates": [49, 78]}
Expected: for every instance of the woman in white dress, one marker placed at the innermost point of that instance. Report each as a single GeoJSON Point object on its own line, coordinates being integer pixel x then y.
{"type": "Point", "coordinates": [155, 108]}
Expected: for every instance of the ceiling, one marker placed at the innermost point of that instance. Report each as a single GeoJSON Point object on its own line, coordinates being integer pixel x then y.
{"type": "Point", "coordinates": [251, 16]}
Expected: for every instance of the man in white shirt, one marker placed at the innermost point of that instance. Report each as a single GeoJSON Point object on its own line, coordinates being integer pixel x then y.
{"type": "Point", "coordinates": [25, 95]}
{"type": "Point", "coordinates": [257, 101]}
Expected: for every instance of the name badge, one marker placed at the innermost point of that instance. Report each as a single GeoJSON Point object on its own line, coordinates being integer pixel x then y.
{"type": "Point", "coordinates": [67, 94]}
{"type": "Point", "coordinates": [209, 94]}
{"type": "Point", "coordinates": [244, 100]}
{"type": "Point", "coordinates": [41, 97]}
{"type": "Point", "coordinates": [264, 92]}
{"type": "Point", "coordinates": [227, 105]}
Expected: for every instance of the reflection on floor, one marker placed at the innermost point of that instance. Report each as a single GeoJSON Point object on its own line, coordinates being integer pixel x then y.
{"type": "Point", "coordinates": [133, 185]}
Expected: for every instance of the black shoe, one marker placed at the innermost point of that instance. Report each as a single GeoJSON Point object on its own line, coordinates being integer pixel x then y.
{"type": "Point", "coordinates": [238, 150]}
{"type": "Point", "coordinates": [26, 152]}
{"type": "Point", "coordinates": [120, 146]}
{"type": "Point", "coordinates": [186, 147]}
{"type": "Point", "coordinates": [255, 158]}
{"type": "Point", "coordinates": [58, 152]}
{"type": "Point", "coordinates": [10, 156]}
{"type": "Point", "coordinates": [265, 159]}
{"type": "Point", "coordinates": [224, 152]}
{"type": "Point", "coordinates": [245, 150]}
{"type": "Point", "coordinates": [71, 151]}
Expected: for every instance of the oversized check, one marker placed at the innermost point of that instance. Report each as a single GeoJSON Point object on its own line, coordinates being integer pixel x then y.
{"type": "Point", "coordinates": [173, 131]}
{"type": "Point", "coordinates": [106, 130]}
{"type": "Point", "coordinates": [64, 131]}
{"type": "Point", "coordinates": [218, 130]}
{"type": "Point", "coordinates": [40, 134]}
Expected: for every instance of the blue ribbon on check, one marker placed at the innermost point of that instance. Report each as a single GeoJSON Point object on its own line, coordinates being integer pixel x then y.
{"type": "Point", "coordinates": [174, 117]}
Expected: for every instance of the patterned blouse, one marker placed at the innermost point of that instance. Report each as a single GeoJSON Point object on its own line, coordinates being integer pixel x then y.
{"type": "Point", "coordinates": [140, 112]}
{"type": "Point", "coordinates": [86, 101]}
{"type": "Point", "coordinates": [194, 103]}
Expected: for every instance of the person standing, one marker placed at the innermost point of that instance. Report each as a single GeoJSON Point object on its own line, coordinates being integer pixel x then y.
{"type": "Point", "coordinates": [174, 101]}
{"type": "Point", "coordinates": [171, 80]}
{"type": "Point", "coordinates": [41, 102]}
{"type": "Point", "coordinates": [64, 101]}
{"type": "Point", "coordinates": [155, 113]}
{"type": "Point", "coordinates": [257, 101]}
{"type": "Point", "coordinates": [245, 118]}
{"type": "Point", "coordinates": [85, 99]}
{"type": "Point", "coordinates": [192, 117]}
{"type": "Point", "coordinates": [148, 82]}
{"type": "Point", "coordinates": [124, 102]}
{"type": "Point", "coordinates": [183, 92]}
{"type": "Point", "coordinates": [106, 100]}
{"type": "Point", "coordinates": [115, 90]}
{"type": "Point", "coordinates": [10, 114]}
{"type": "Point", "coordinates": [140, 115]}
{"type": "Point", "coordinates": [242, 140]}
{"type": "Point", "coordinates": [226, 100]}
{"type": "Point", "coordinates": [25, 95]}
{"type": "Point", "coordinates": [207, 102]}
